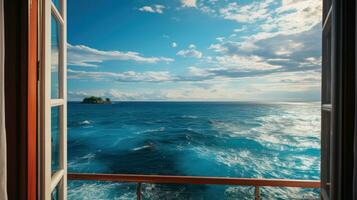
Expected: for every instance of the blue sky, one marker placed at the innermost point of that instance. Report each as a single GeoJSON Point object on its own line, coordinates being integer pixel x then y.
{"type": "Point", "coordinates": [193, 50]}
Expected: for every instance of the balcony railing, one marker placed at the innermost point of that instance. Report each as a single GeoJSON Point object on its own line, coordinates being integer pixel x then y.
{"type": "Point", "coordinates": [160, 179]}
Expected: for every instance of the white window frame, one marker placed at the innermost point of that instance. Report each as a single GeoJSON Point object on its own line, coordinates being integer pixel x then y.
{"type": "Point", "coordinates": [48, 180]}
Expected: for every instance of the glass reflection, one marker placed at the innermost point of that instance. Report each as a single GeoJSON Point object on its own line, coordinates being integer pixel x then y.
{"type": "Point", "coordinates": [55, 139]}
{"type": "Point", "coordinates": [55, 58]}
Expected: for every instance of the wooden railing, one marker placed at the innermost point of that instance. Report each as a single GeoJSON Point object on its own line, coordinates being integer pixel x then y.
{"type": "Point", "coordinates": [161, 179]}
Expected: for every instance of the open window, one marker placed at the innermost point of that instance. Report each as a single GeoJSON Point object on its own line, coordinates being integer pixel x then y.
{"type": "Point", "coordinates": [337, 104]}
{"type": "Point", "coordinates": [53, 100]}
{"type": "Point", "coordinates": [326, 100]}
{"type": "Point", "coordinates": [338, 99]}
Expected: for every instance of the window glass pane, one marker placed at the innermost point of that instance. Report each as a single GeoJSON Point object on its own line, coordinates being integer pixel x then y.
{"type": "Point", "coordinates": [325, 150]}
{"type": "Point", "coordinates": [55, 139]}
{"type": "Point", "coordinates": [326, 8]}
{"type": "Point", "coordinates": [57, 4]}
{"type": "Point", "coordinates": [326, 67]}
{"type": "Point", "coordinates": [55, 57]}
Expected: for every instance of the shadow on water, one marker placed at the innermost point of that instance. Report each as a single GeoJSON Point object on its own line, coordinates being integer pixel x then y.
{"type": "Point", "coordinates": [148, 158]}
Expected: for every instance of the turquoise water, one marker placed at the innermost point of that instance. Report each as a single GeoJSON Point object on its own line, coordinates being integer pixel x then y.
{"type": "Point", "coordinates": [279, 140]}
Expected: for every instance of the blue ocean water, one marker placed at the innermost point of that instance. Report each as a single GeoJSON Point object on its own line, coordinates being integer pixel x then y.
{"type": "Point", "coordinates": [278, 140]}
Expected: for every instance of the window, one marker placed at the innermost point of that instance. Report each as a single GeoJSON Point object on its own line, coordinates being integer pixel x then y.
{"type": "Point", "coordinates": [326, 100]}
{"type": "Point", "coordinates": [53, 101]}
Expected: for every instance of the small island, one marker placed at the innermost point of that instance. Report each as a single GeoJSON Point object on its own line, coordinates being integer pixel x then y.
{"type": "Point", "coordinates": [96, 100]}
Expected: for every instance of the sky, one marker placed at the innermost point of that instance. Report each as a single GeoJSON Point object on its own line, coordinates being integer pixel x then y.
{"type": "Point", "coordinates": [194, 50]}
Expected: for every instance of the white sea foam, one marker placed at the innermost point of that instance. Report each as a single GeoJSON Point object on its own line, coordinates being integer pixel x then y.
{"type": "Point", "coordinates": [161, 129]}
{"type": "Point", "coordinates": [88, 157]}
{"type": "Point", "coordinates": [296, 127]}
{"type": "Point", "coordinates": [85, 122]}
{"type": "Point", "coordinates": [189, 116]}
{"type": "Point", "coordinates": [229, 128]}
{"type": "Point", "coordinates": [142, 147]}
{"type": "Point", "coordinates": [88, 191]}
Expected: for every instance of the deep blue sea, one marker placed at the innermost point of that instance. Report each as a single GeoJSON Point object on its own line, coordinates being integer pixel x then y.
{"type": "Point", "coordinates": [228, 139]}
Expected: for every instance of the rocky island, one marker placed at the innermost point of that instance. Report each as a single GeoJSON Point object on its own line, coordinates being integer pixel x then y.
{"type": "Point", "coordinates": [96, 100]}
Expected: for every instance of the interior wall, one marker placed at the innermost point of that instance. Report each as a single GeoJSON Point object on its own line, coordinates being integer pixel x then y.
{"type": "Point", "coordinates": [16, 62]}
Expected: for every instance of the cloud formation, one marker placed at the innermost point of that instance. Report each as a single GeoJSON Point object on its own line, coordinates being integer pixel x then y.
{"type": "Point", "coordinates": [189, 3]}
{"type": "Point", "coordinates": [272, 48]}
{"type": "Point", "coordinates": [286, 37]}
{"type": "Point", "coordinates": [84, 56]}
{"type": "Point", "coordinates": [190, 52]}
{"type": "Point", "coordinates": [153, 9]}
{"type": "Point", "coordinates": [249, 13]}
{"type": "Point", "coordinates": [129, 76]}
{"type": "Point", "coordinates": [288, 85]}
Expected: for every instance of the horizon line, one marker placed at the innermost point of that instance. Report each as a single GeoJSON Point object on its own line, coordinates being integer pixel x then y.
{"type": "Point", "coordinates": [192, 101]}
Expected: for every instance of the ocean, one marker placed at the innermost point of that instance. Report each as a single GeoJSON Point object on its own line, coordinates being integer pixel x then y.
{"type": "Point", "coordinates": [226, 139]}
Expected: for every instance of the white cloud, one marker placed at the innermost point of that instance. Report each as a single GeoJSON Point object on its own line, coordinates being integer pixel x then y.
{"type": "Point", "coordinates": [119, 95]}
{"type": "Point", "coordinates": [292, 81]}
{"type": "Point", "coordinates": [289, 47]}
{"type": "Point", "coordinates": [190, 52]}
{"type": "Point", "coordinates": [147, 9]}
{"type": "Point", "coordinates": [297, 16]}
{"type": "Point", "coordinates": [174, 45]}
{"type": "Point", "coordinates": [129, 76]}
{"type": "Point", "coordinates": [273, 17]}
{"type": "Point", "coordinates": [267, 27]}
{"type": "Point", "coordinates": [213, 93]}
{"type": "Point", "coordinates": [192, 46]}
{"type": "Point", "coordinates": [232, 67]}
{"type": "Point", "coordinates": [153, 9]}
{"type": "Point", "coordinates": [245, 63]}
{"type": "Point", "coordinates": [199, 72]}
{"type": "Point", "coordinates": [248, 13]}
{"type": "Point", "coordinates": [220, 39]}
{"type": "Point", "coordinates": [311, 61]}
{"type": "Point", "coordinates": [206, 9]}
{"type": "Point", "coordinates": [293, 52]}
{"type": "Point", "coordinates": [186, 92]}
{"type": "Point", "coordinates": [189, 3]}
{"type": "Point", "coordinates": [230, 47]}
{"type": "Point", "coordinates": [277, 86]}
{"type": "Point", "coordinates": [81, 55]}
{"type": "Point", "coordinates": [291, 17]}
{"type": "Point", "coordinates": [217, 47]}
{"type": "Point", "coordinates": [77, 95]}
{"type": "Point", "coordinates": [237, 30]}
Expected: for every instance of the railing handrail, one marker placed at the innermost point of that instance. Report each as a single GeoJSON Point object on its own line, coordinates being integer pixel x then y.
{"type": "Point", "coordinates": [260, 182]}
{"type": "Point", "coordinates": [139, 179]}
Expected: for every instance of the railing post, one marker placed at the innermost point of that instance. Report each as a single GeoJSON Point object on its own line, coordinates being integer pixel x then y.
{"type": "Point", "coordinates": [138, 191]}
{"type": "Point", "coordinates": [257, 193]}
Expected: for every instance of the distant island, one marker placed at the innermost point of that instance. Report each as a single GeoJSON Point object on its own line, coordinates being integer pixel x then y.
{"type": "Point", "coordinates": [96, 100]}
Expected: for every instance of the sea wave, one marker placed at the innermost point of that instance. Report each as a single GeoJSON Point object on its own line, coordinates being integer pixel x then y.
{"type": "Point", "coordinates": [237, 140]}
{"type": "Point", "coordinates": [189, 116]}
{"type": "Point", "coordinates": [160, 129]}
{"type": "Point", "coordinates": [101, 191]}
